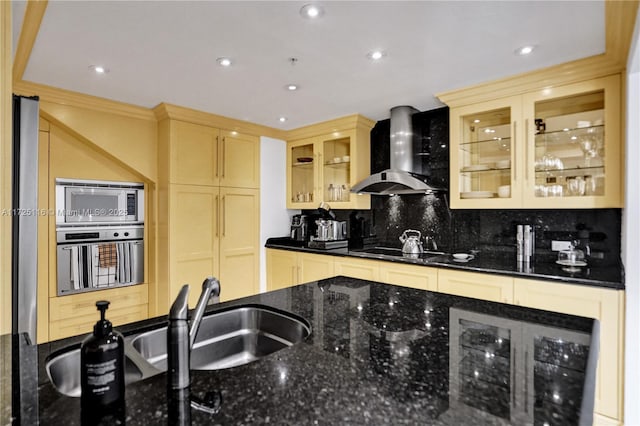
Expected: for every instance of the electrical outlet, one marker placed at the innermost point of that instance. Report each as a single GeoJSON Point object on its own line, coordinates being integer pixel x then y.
{"type": "Point", "coordinates": [560, 245]}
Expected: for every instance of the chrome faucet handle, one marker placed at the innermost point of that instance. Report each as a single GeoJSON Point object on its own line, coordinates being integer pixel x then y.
{"type": "Point", "coordinates": [210, 288]}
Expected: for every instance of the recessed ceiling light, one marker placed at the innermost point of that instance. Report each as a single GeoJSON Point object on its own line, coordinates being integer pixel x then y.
{"type": "Point", "coordinates": [225, 62]}
{"type": "Point", "coordinates": [282, 119]}
{"type": "Point", "coordinates": [524, 50]}
{"type": "Point", "coordinates": [311, 11]}
{"type": "Point", "coordinates": [98, 69]}
{"type": "Point", "coordinates": [476, 121]}
{"type": "Point", "coordinates": [376, 55]}
{"type": "Point", "coordinates": [292, 87]}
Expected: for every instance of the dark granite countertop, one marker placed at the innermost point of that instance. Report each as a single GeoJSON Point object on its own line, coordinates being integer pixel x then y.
{"type": "Point", "coordinates": [377, 354]}
{"type": "Point", "coordinates": [544, 267]}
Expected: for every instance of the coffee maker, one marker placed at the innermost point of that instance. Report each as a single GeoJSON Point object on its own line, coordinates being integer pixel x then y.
{"type": "Point", "coordinates": [299, 227]}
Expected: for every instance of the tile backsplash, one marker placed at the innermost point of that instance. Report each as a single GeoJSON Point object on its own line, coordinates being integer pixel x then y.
{"type": "Point", "coordinates": [492, 232]}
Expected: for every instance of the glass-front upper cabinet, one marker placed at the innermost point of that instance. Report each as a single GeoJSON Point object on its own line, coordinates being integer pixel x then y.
{"type": "Point", "coordinates": [575, 146]}
{"type": "Point", "coordinates": [557, 147]}
{"type": "Point", "coordinates": [302, 160]}
{"type": "Point", "coordinates": [325, 167]}
{"type": "Point", "coordinates": [483, 154]}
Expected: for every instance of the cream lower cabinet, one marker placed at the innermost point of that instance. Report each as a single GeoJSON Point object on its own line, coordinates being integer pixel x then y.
{"type": "Point", "coordinates": [282, 269]}
{"type": "Point", "coordinates": [495, 288]}
{"type": "Point", "coordinates": [357, 268]}
{"type": "Point", "coordinates": [414, 276]}
{"type": "Point", "coordinates": [288, 268]}
{"type": "Point", "coordinates": [75, 314]}
{"type": "Point", "coordinates": [239, 242]}
{"type": "Point", "coordinates": [313, 267]}
{"type": "Point", "coordinates": [607, 306]}
{"type": "Point", "coordinates": [213, 231]}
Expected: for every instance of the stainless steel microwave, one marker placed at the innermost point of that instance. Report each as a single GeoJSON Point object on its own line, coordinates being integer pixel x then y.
{"type": "Point", "coordinates": [96, 202]}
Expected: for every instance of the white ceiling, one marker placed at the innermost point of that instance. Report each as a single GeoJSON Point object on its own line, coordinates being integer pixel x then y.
{"type": "Point", "coordinates": [161, 51]}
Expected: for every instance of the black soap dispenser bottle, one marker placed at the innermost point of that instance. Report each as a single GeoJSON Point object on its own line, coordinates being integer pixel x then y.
{"type": "Point", "coordinates": [102, 365]}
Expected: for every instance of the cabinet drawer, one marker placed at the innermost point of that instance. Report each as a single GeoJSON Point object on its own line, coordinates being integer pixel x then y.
{"type": "Point", "coordinates": [420, 277]}
{"type": "Point", "coordinates": [81, 324]}
{"type": "Point", "coordinates": [475, 285]}
{"type": "Point", "coordinates": [357, 268]}
{"type": "Point", "coordinates": [68, 308]}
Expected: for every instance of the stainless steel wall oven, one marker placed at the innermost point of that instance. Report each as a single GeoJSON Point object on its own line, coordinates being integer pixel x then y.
{"type": "Point", "coordinates": [99, 235]}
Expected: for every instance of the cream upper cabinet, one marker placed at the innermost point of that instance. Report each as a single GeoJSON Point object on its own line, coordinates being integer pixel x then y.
{"type": "Point", "coordinates": [415, 276]}
{"type": "Point", "coordinates": [239, 164]}
{"type": "Point", "coordinates": [607, 306]}
{"type": "Point", "coordinates": [324, 165]}
{"type": "Point", "coordinates": [556, 147]}
{"type": "Point", "coordinates": [203, 155]}
{"type": "Point", "coordinates": [193, 154]}
{"type": "Point", "coordinates": [496, 288]}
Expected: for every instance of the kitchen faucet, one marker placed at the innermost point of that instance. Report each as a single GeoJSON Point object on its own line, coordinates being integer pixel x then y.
{"type": "Point", "coordinates": [180, 337]}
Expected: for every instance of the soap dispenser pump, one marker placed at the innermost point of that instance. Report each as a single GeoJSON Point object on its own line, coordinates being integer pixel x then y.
{"type": "Point", "coordinates": [102, 365]}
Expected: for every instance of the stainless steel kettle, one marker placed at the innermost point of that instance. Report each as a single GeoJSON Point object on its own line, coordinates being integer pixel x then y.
{"type": "Point", "coordinates": [411, 243]}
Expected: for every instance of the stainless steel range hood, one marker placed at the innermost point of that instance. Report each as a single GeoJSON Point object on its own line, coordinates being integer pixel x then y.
{"type": "Point", "coordinates": [400, 178]}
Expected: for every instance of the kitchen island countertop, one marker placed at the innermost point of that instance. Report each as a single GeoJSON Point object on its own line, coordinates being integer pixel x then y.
{"type": "Point", "coordinates": [377, 354]}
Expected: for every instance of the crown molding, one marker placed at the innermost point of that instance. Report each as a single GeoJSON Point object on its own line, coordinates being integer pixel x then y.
{"type": "Point", "coordinates": [569, 72]}
{"type": "Point", "coordinates": [165, 111]}
{"type": "Point", "coordinates": [620, 18]}
{"type": "Point", "coordinates": [619, 25]}
{"type": "Point", "coordinates": [31, 21]}
{"type": "Point", "coordinates": [336, 125]}
{"type": "Point", "coordinates": [80, 100]}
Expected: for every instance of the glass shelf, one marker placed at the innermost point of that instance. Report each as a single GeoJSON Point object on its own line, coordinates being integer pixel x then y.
{"type": "Point", "coordinates": [340, 164]}
{"type": "Point", "coordinates": [492, 170]}
{"type": "Point", "coordinates": [307, 164]}
{"type": "Point", "coordinates": [568, 136]}
{"type": "Point", "coordinates": [498, 144]}
{"type": "Point", "coordinates": [576, 171]}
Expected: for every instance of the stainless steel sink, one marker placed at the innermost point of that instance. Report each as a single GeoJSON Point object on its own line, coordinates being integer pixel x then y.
{"type": "Point", "coordinates": [225, 339]}
{"type": "Point", "coordinates": [230, 338]}
{"type": "Point", "coordinates": [64, 372]}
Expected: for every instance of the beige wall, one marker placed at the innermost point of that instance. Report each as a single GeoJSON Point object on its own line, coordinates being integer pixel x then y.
{"type": "Point", "coordinates": [129, 140]}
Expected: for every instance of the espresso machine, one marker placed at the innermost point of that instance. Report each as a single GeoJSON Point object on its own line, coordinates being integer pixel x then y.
{"type": "Point", "coordinates": [299, 227]}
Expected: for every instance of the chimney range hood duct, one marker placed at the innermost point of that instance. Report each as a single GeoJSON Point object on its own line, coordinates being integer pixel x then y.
{"type": "Point", "coordinates": [400, 178]}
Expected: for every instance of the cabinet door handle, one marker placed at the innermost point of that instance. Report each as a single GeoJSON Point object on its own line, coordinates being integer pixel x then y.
{"type": "Point", "coordinates": [217, 165]}
{"type": "Point", "coordinates": [217, 216]}
{"type": "Point", "coordinates": [224, 153]}
{"type": "Point", "coordinates": [515, 152]}
{"type": "Point", "coordinates": [526, 150]}
{"type": "Point", "coordinates": [320, 184]}
{"type": "Point", "coordinates": [224, 213]}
